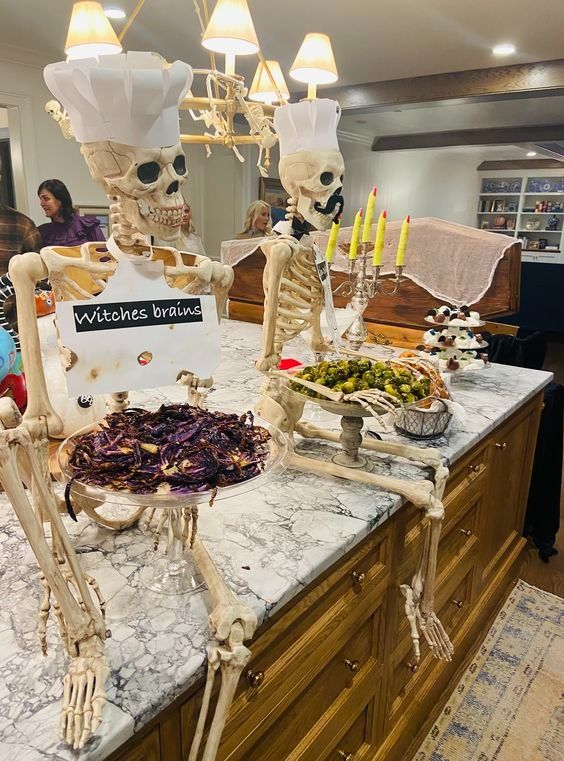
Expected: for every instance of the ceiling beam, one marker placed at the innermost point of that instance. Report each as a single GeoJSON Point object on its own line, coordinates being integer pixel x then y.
{"type": "Point", "coordinates": [526, 80]}
{"type": "Point", "coordinates": [490, 136]}
{"type": "Point", "coordinates": [522, 164]}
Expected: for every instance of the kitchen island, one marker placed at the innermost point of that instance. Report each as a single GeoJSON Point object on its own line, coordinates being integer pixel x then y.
{"type": "Point", "coordinates": [320, 560]}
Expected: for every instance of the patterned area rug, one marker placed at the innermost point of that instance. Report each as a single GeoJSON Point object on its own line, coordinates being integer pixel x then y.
{"type": "Point", "coordinates": [509, 705]}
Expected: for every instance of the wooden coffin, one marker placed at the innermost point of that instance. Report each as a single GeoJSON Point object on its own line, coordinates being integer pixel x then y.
{"type": "Point", "coordinates": [406, 309]}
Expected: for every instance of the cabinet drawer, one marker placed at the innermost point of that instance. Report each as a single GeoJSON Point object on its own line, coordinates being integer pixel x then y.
{"type": "Point", "coordinates": [471, 466]}
{"type": "Point", "coordinates": [453, 601]}
{"type": "Point", "coordinates": [340, 675]}
{"type": "Point", "coordinates": [459, 532]}
{"type": "Point", "coordinates": [460, 500]}
{"type": "Point", "coordinates": [354, 738]}
{"type": "Point", "coordinates": [446, 581]}
{"type": "Point", "coordinates": [297, 649]}
{"type": "Point", "coordinates": [148, 749]}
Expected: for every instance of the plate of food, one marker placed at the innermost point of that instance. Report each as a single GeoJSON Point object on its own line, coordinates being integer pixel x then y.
{"type": "Point", "coordinates": [170, 457]}
{"type": "Point", "coordinates": [361, 386]}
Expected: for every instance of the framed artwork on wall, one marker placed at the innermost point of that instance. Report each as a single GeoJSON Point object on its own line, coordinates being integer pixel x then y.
{"type": "Point", "coordinates": [7, 195]}
{"type": "Point", "coordinates": [272, 192]}
{"type": "Point", "coordinates": [102, 214]}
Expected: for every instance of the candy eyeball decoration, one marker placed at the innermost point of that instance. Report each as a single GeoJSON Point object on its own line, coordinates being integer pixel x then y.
{"type": "Point", "coordinates": [454, 345]}
{"type": "Point", "coordinates": [85, 401]}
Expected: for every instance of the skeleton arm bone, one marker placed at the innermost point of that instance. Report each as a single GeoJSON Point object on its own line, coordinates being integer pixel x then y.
{"type": "Point", "coordinates": [278, 255]}
{"type": "Point", "coordinates": [25, 271]}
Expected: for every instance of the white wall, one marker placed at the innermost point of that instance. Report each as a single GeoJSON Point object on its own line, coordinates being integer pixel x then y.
{"type": "Point", "coordinates": [425, 183]}
{"type": "Point", "coordinates": [45, 153]}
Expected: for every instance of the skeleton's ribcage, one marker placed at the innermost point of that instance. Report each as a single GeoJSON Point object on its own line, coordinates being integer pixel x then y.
{"type": "Point", "coordinates": [300, 299]}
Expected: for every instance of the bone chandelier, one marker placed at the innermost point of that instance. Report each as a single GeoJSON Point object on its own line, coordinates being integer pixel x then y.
{"type": "Point", "coordinates": [228, 31]}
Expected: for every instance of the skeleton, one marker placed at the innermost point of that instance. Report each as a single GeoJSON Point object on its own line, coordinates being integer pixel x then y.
{"type": "Point", "coordinates": [53, 108]}
{"type": "Point", "coordinates": [293, 302]}
{"type": "Point", "coordinates": [143, 185]}
{"type": "Point", "coordinates": [222, 123]}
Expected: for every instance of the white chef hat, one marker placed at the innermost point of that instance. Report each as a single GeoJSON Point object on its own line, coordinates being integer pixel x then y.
{"type": "Point", "coordinates": [308, 125]}
{"type": "Point", "coordinates": [130, 98]}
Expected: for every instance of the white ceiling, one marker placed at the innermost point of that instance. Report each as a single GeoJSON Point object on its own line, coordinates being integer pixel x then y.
{"type": "Point", "coordinates": [373, 39]}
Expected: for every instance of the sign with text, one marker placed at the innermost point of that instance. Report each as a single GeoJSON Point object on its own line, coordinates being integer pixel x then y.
{"type": "Point", "coordinates": [138, 333]}
{"type": "Point", "coordinates": [136, 314]}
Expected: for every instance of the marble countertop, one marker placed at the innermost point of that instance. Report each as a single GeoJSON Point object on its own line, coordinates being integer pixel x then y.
{"type": "Point", "coordinates": [269, 544]}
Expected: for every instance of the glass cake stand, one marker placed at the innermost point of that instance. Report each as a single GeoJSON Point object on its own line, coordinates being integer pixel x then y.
{"type": "Point", "coordinates": [176, 572]}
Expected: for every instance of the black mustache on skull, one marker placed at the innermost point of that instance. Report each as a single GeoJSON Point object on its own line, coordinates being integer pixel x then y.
{"type": "Point", "coordinates": [335, 201]}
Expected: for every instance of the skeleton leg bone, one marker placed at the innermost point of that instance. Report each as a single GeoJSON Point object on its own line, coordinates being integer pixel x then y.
{"type": "Point", "coordinates": [231, 622]}
{"type": "Point", "coordinates": [85, 631]}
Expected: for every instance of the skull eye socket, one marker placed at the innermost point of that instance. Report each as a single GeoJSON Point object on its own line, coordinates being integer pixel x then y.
{"type": "Point", "coordinates": [327, 178]}
{"type": "Point", "coordinates": [179, 164]}
{"type": "Point", "coordinates": [148, 172]}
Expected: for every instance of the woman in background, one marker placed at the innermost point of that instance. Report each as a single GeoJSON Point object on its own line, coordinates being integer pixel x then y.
{"type": "Point", "coordinates": [257, 222]}
{"type": "Point", "coordinates": [67, 227]}
{"type": "Point", "coordinates": [188, 238]}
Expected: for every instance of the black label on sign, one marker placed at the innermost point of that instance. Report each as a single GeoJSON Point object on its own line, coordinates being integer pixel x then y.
{"type": "Point", "coordinates": [136, 314]}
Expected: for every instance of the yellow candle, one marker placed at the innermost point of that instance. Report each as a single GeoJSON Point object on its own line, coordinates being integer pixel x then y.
{"type": "Point", "coordinates": [355, 233]}
{"type": "Point", "coordinates": [332, 242]}
{"type": "Point", "coordinates": [402, 245]}
{"type": "Point", "coordinates": [379, 244]}
{"type": "Point", "coordinates": [369, 216]}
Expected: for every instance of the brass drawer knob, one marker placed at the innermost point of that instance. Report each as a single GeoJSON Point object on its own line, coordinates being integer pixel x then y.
{"type": "Point", "coordinates": [458, 603]}
{"type": "Point", "coordinates": [345, 756]}
{"type": "Point", "coordinates": [254, 678]}
{"type": "Point", "coordinates": [358, 578]}
{"type": "Point", "coordinates": [466, 531]}
{"type": "Point", "coordinates": [412, 667]}
{"type": "Point", "coordinates": [474, 468]}
{"type": "Point", "coordinates": [502, 445]}
{"type": "Point", "coordinates": [353, 666]}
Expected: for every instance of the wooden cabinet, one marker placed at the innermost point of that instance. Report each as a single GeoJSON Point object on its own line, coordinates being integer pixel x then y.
{"type": "Point", "coordinates": [147, 749]}
{"type": "Point", "coordinates": [338, 678]}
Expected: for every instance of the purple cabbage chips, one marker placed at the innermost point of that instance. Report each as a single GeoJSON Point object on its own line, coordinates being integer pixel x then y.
{"type": "Point", "coordinates": [178, 448]}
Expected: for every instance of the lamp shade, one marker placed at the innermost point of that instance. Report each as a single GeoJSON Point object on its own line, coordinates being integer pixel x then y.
{"type": "Point", "coordinates": [261, 87]}
{"type": "Point", "coordinates": [315, 63]}
{"type": "Point", "coordinates": [90, 33]}
{"type": "Point", "coordinates": [230, 29]}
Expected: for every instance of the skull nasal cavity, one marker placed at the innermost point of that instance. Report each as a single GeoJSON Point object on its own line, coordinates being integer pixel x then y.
{"type": "Point", "coordinates": [172, 188]}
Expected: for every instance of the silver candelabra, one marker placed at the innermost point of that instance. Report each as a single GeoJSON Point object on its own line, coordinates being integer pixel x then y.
{"type": "Point", "coordinates": [362, 285]}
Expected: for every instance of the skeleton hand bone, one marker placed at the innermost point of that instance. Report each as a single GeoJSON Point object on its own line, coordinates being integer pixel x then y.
{"type": "Point", "coordinates": [84, 694]}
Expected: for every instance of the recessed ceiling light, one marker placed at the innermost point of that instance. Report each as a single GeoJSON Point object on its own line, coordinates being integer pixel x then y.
{"type": "Point", "coordinates": [506, 48]}
{"type": "Point", "coordinates": [115, 13]}
{"type": "Point", "coordinates": [531, 153]}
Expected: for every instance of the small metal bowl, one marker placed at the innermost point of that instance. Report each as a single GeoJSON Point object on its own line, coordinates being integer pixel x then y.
{"type": "Point", "coordinates": [418, 422]}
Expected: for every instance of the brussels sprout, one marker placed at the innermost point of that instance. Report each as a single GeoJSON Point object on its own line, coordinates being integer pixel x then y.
{"type": "Point", "coordinates": [364, 365]}
{"type": "Point", "coordinates": [369, 378]}
{"type": "Point", "coordinates": [409, 398]}
{"type": "Point", "coordinates": [405, 388]}
{"type": "Point", "coordinates": [306, 376]}
{"type": "Point", "coordinates": [330, 380]}
{"type": "Point", "coordinates": [391, 390]}
{"type": "Point", "coordinates": [348, 387]}
{"type": "Point", "coordinates": [322, 380]}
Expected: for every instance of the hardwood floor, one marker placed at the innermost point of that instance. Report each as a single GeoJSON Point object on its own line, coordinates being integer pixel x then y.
{"type": "Point", "coordinates": [547, 576]}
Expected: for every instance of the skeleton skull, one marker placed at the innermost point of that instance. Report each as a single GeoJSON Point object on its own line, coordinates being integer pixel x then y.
{"type": "Point", "coordinates": [53, 108]}
{"type": "Point", "coordinates": [314, 179]}
{"type": "Point", "coordinates": [145, 180]}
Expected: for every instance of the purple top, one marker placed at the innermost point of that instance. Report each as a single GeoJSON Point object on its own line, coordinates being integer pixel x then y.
{"type": "Point", "coordinates": [73, 233]}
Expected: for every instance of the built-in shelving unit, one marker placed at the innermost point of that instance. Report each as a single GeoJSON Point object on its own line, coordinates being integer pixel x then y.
{"type": "Point", "coordinates": [529, 207]}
